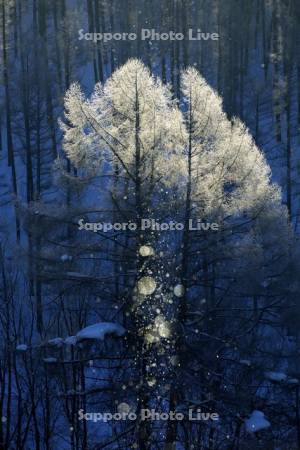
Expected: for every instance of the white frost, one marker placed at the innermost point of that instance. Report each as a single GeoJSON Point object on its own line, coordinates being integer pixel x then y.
{"type": "Point", "coordinates": [100, 330]}
{"type": "Point", "coordinates": [256, 422]}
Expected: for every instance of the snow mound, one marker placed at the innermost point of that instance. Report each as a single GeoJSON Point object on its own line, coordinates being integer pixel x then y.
{"type": "Point", "coordinates": [256, 422]}
{"type": "Point", "coordinates": [71, 340]}
{"type": "Point", "coordinates": [65, 258]}
{"type": "Point", "coordinates": [22, 348]}
{"type": "Point", "coordinates": [100, 330]}
{"type": "Point", "coordinates": [276, 376]}
{"type": "Point", "coordinates": [245, 362]}
{"type": "Point", "coordinates": [50, 360]}
{"type": "Point", "coordinates": [56, 342]}
{"type": "Point", "coordinates": [293, 381]}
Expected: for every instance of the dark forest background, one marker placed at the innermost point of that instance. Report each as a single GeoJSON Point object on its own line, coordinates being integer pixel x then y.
{"type": "Point", "coordinates": [55, 282]}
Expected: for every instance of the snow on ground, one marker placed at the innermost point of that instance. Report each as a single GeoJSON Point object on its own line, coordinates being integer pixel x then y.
{"type": "Point", "coordinates": [276, 376]}
{"type": "Point", "coordinates": [22, 348]}
{"type": "Point", "coordinates": [256, 422]}
{"type": "Point", "coordinates": [50, 360]}
{"type": "Point", "coordinates": [100, 330]}
{"type": "Point", "coordinates": [293, 381]}
{"type": "Point", "coordinates": [245, 362]}
{"type": "Point", "coordinates": [65, 258]}
{"type": "Point", "coordinates": [71, 340]}
{"type": "Point", "coordinates": [56, 342]}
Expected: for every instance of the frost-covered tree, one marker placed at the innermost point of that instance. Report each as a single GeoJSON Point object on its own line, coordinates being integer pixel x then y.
{"type": "Point", "coordinates": [130, 131]}
{"type": "Point", "coordinates": [155, 154]}
{"type": "Point", "coordinates": [228, 181]}
{"type": "Point", "coordinates": [130, 121]}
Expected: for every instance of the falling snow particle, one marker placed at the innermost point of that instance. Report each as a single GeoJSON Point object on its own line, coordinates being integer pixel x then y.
{"type": "Point", "coordinates": [152, 382]}
{"type": "Point", "coordinates": [179, 290]}
{"type": "Point", "coordinates": [163, 327]}
{"type": "Point", "coordinates": [123, 408]}
{"type": "Point", "coordinates": [146, 250]}
{"type": "Point", "coordinates": [146, 285]}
